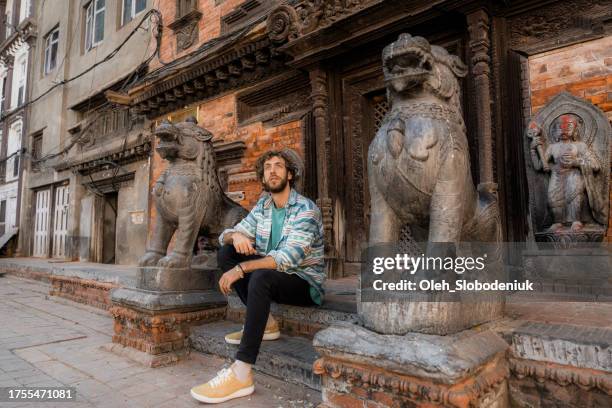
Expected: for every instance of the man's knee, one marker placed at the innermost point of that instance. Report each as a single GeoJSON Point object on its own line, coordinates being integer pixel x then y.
{"type": "Point", "coordinates": [261, 279]}
{"type": "Point", "coordinates": [225, 255]}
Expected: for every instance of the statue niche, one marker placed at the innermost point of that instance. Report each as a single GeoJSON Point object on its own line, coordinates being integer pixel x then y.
{"type": "Point", "coordinates": [188, 196]}
{"type": "Point", "coordinates": [419, 174]}
{"type": "Point", "coordinates": [569, 153]}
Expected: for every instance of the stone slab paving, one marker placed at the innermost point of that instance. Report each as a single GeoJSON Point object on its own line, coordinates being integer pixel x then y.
{"type": "Point", "coordinates": [50, 342]}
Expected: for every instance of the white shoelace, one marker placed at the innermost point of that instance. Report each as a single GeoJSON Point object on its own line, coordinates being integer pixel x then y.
{"type": "Point", "coordinates": [221, 377]}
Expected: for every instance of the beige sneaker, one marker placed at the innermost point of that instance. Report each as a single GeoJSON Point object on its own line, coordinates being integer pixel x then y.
{"type": "Point", "coordinates": [272, 332]}
{"type": "Point", "coordinates": [224, 387]}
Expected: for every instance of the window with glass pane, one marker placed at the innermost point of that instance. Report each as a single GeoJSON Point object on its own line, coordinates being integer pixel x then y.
{"type": "Point", "coordinates": [9, 24]}
{"type": "Point", "coordinates": [51, 45]}
{"type": "Point", "coordinates": [3, 97]}
{"type": "Point", "coordinates": [16, 165]}
{"type": "Point", "coordinates": [131, 8]}
{"type": "Point", "coordinates": [21, 82]}
{"type": "Point", "coordinates": [94, 23]}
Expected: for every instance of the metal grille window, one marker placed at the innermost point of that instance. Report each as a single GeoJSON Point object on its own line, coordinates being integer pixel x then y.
{"type": "Point", "coordinates": [131, 8]}
{"type": "Point", "coordinates": [94, 23]}
{"type": "Point", "coordinates": [51, 46]}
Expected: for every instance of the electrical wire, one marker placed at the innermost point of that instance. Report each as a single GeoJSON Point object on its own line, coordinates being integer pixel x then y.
{"type": "Point", "coordinates": [108, 57]}
{"type": "Point", "coordinates": [156, 20]}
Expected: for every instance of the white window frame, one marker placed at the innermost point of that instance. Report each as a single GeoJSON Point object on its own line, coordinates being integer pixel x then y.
{"type": "Point", "coordinates": [3, 78]}
{"type": "Point", "coordinates": [9, 18]}
{"type": "Point", "coordinates": [50, 42]}
{"type": "Point", "coordinates": [24, 11]}
{"type": "Point", "coordinates": [92, 10]}
{"type": "Point", "coordinates": [133, 12]}
{"type": "Point", "coordinates": [13, 145]}
{"type": "Point", "coordinates": [20, 75]}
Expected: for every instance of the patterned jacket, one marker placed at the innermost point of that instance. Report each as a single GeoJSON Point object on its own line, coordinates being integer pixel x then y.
{"type": "Point", "coordinates": [300, 249]}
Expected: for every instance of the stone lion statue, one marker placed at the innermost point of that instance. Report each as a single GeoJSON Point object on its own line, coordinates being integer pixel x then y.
{"type": "Point", "coordinates": [418, 162]}
{"type": "Point", "coordinates": [188, 196]}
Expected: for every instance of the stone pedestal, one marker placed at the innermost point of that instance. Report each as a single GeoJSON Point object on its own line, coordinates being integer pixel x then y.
{"type": "Point", "coordinates": [153, 320]}
{"type": "Point", "coordinates": [363, 368]}
{"type": "Point", "coordinates": [560, 365]}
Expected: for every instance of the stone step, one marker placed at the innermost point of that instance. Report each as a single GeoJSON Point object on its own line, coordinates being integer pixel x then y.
{"type": "Point", "coordinates": [298, 320]}
{"type": "Point", "coordinates": [288, 358]}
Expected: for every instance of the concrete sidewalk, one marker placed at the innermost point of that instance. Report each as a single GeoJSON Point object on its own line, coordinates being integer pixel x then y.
{"type": "Point", "coordinates": [52, 342]}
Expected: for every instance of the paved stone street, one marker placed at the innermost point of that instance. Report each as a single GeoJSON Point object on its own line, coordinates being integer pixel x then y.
{"type": "Point", "coordinates": [47, 341]}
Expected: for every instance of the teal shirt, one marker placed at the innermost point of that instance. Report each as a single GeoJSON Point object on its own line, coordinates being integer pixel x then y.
{"type": "Point", "coordinates": [278, 219]}
{"type": "Point", "coordinates": [276, 233]}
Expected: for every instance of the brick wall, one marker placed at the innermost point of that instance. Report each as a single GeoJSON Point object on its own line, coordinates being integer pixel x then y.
{"type": "Point", "coordinates": [219, 116]}
{"type": "Point", "coordinates": [209, 25]}
{"type": "Point", "coordinates": [584, 70]}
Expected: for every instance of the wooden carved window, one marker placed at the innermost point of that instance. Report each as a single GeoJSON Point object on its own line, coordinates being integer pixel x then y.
{"type": "Point", "coordinates": [380, 108]}
{"type": "Point", "coordinates": [184, 7]}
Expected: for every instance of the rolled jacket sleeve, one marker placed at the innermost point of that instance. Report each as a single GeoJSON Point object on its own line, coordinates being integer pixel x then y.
{"type": "Point", "coordinates": [248, 226]}
{"type": "Point", "coordinates": [304, 232]}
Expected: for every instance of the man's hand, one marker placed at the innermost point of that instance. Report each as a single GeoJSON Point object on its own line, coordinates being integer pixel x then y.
{"type": "Point", "coordinates": [243, 244]}
{"type": "Point", "coordinates": [228, 279]}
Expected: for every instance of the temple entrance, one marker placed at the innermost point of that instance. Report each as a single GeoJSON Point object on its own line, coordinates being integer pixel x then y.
{"type": "Point", "coordinates": [109, 227]}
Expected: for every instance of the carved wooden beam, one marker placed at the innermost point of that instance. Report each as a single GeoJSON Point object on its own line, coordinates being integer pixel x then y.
{"type": "Point", "coordinates": [188, 89]}
{"type": "Point", "coordinates": [480, 44]}
{"type": "Point", "coordinates": [248, 62]}
{"type": "Point", "coordinates": [319, 98]}
{"type": "Point", "coordinates": [211, 80]}
{"type": "Point", "coordinates": [234, 69]}
{"type": "Point", "coordinates": [199, 84]}
{"type": "Point", "coordinates": [221, 74]}
{"type": "Point", "coordinates": [262, 57]}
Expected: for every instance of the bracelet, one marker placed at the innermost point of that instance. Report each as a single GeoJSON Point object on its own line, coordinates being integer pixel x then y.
{"type": "Point", "coordinates": [241, 270]}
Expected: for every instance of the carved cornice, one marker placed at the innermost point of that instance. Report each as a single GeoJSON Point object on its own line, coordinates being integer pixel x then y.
{"type": "Point", "coordinates": [137, 151]}
{"type": "Point", "coordinates": [287, 23]}
{"type": "Point", "coordinates": [558, 24]}
{"type": "Point", "coordinates": [236, 67]}
{"type": "Point", "coordinates": [562, 375]}
{"type": "Point", "coordinates": [416, 389]}
{"type": "Point", "coordinates": [25, 34]}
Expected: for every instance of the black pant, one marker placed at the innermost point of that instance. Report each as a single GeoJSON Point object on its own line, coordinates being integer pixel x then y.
{"type": "Point", "coordinates": [256, 290]}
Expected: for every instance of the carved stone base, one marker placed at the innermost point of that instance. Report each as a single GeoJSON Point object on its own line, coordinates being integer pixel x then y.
{"type": "Point", "coordinates": [560, 365]}
{"type": "Point", "coordinates": [158, 323]}
{"type": "Point", "coordinates": [566, 238]}
{"type": "Point", "coordinates": [363, 368]}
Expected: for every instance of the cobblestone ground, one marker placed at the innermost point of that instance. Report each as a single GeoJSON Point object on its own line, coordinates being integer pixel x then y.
{"type": "Point", "coordinates": [46, 341]}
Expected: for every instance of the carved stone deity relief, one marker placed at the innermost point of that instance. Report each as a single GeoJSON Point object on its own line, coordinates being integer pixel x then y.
{"type": "Point", "coordinates": [569, 171]}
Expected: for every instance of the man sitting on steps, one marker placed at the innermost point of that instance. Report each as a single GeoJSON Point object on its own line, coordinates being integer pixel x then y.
{"type": "Point", "coordinates": [274, 254]}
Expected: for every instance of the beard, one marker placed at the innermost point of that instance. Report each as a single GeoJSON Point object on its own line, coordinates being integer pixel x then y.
{"type": "Point", "coordinates": [275, 189]}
